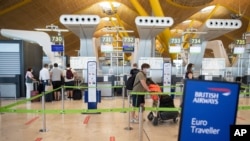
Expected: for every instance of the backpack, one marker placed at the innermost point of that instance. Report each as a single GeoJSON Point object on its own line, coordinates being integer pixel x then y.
{"type": "Point", "coordinates": [69, 74]}
{"type": "Point", "coordinates": [130, 82]}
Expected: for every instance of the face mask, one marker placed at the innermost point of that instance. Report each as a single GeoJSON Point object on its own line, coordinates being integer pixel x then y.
{"type": "Point", "coordinates": [147, 72]}
{"type": "Point", "coordinates": [192, 68]}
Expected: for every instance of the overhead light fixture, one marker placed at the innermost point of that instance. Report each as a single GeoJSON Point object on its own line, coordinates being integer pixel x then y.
{"type": "Point", "coordinates": [109, 19]}
{"type": "Point", "coordinates": [176, 30]}
{"type": "Point", "coordinates": [115, 29]}
{"type": "Point", "coordinates": [208, 9]}
{"type": "Point", "coordinates": [52, 28]}
{"type": "Point", "coordinates": [187, 21]}
{"type": "Point", "coordinates": [110, 8]}
{"type": "Point", "coordinates": [192, 3]}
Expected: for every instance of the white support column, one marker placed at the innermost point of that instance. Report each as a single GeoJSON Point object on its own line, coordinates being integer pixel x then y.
{"type": "Point", "coordinates": [84, 27]}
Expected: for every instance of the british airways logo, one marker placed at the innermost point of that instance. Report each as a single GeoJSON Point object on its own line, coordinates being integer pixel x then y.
{"type": "Point", "coordinates": [224, 91]}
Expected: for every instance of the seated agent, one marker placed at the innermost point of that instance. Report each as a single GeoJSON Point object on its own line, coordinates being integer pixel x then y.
{"type": "Point", "coordinates": [140, 85]}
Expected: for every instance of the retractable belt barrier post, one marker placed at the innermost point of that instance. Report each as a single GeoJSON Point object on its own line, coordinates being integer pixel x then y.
{"type": "Point", "coordinates": [181, 97]}
{"type": "Point", "coordinates": [141, 123]}
{"type": "Point", "coordinates": [0, 101]}
{"type": "Point", "coordinates": [123, 97]}
{"type": "Point", "coordinates": [128, 128]}
{"type": "Point", "coordinates": [62, 93]}
{"type": "Point", "coordinates": [43, 110]}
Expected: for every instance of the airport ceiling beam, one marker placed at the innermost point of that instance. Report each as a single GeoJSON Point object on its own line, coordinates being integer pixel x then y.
{"type": "Point", "coordinates": [15, 6]}
{"type": "Point", "coordinates": [139, 8]}
{"type": "Point", "coordinates": [212, 12]}
{"type": "Point", "coordinates": [248, 28]}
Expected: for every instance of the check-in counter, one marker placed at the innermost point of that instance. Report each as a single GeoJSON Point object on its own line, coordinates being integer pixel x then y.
{"type": "Point", "coordinates": [104, 84]}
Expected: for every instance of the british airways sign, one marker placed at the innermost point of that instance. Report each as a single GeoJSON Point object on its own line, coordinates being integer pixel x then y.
{"type": "Point", "coordinates": [209, 108]}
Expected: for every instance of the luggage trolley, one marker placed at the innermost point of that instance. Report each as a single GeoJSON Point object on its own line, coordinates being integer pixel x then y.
{"type": "Point", "coordinates": [160, 116]}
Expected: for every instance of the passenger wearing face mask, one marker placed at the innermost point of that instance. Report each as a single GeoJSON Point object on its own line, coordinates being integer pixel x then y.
{"type": "Point", "coordinates": [140, 85]}
{"type": "Point", "coordinates": [189, 72]}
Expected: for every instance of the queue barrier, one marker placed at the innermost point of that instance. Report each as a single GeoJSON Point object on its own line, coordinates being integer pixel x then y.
{"type": "Point", "coordinates": [8, 109]}
{"type": "Point", "coordinates": [43, 111]}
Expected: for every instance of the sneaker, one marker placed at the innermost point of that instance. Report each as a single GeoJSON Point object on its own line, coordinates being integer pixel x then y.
{"type": "Point", "coordinates": [134, 121]}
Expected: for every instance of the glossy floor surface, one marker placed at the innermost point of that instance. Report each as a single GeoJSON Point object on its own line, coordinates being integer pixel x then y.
{"type": "Point", "coordinates": [107, 126]}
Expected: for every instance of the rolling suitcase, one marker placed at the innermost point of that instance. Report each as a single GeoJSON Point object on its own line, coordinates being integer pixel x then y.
{"type": "Point", "coordinates": [49, 96]}
{"type": "Point", "coordinates": [77, 93]}
{"type": "Point", "coordinates": [35, 92]}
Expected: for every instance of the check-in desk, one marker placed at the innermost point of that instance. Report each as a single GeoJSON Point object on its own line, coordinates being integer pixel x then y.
{"type": "Point", "coordinates": [104, 84]}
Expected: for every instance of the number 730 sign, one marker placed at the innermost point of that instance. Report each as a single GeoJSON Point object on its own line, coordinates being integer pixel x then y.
{"type": "Point", "coordinates": [56, 39]}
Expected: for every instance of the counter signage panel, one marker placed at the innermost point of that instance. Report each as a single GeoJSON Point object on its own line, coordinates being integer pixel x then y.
{"type": "Point", "coordinates": [175, 41]}
{"type": "Point", "coordinates": [195, 41]}
{"type": "Point", "coordinates": [106, 39]}
{"type": "Point", "coordinates": [128, 47]}
{"type": "Point", "coordinates": [240, 42]}
{"type": "Point", "coordinates": [56, 39]}
{"type": "Point", "coordinates": [209, 108]}
{"type": "Point", "coordinates": [57, 48]}
{"type": "Point", "coordinates": [128, 44]}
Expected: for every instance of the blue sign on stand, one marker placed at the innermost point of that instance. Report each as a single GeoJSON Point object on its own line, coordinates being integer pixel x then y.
{"type": "Point", "coordinates": [92, 96]}
{"type": "Point", "coordinates": [209, 108]}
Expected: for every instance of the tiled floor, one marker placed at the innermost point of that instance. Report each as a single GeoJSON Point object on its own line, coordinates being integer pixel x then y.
{"type": "Point", "coordinates": [108, 126]}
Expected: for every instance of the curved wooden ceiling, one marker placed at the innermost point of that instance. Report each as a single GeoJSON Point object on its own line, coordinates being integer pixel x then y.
{"type": "Point", "coordinates": [30, 14]}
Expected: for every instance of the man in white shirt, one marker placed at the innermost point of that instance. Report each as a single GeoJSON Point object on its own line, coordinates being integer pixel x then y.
{"type": "Point", "coordinates": [56, 75]}
{"type": "Point", "coordinates": [44, 76]}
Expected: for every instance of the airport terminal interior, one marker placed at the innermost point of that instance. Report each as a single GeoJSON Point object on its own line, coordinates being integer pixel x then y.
{"type": "Point", "coordinates": [101, 40]}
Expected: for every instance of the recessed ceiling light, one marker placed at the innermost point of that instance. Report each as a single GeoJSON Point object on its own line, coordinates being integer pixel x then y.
{"type": "Point", "coordinates": [208, 9]}
{"type": "Point", "coordinates": [187, 21]}
{"type": "Point", "coordinates": [107, 5]}
{"type": "Point", "coordinates": [109, 19]}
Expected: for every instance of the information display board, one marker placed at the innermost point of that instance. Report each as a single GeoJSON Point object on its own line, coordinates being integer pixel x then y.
{"type": "Point", "coordinates": [106, 44]}
{"type": "Point", "coordinates": [57, 48]}
{"type": "Point", "coordinates": [209, 108]}
{"type": "Point", "coordinates": [167, 70]}
{"type": "Point", "coordinates": [80, 62]}
{"type": "Point", "coordinates": [195, 49]}
{"type": "Point", "coordinates": [154, 62]}
{"type": "Point", "coordinates": [107, 48]}
{"type": "Point", "coordinates": [238, 50]}
{"type": "Point", "coordinates": [239, 46]}
{"type": "Point", "coordinates": [213, 63]}
{"type": "Point", "coordinates": [56, 39]}
{"type": "Point", "coordinates": [174, 45]}
{"type": "Point", "coordinates": [128, 44]}
{"type": "Point", "coordinates": [195, 45]}
{"type": "Point", "coordinates": [92, 73]}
